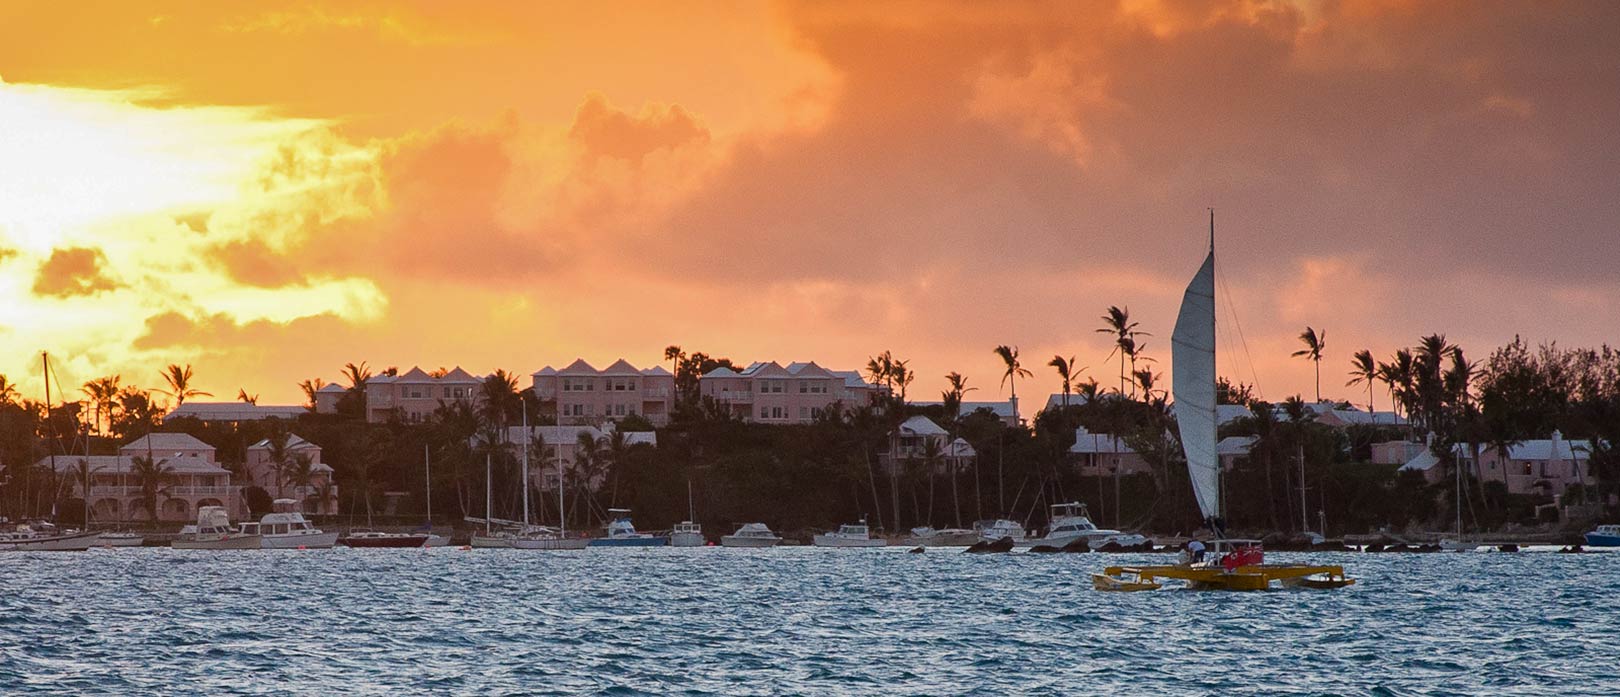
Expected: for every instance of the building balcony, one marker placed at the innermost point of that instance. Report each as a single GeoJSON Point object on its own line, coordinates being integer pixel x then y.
{"type": "Point", "coordinates": [655, 393]}
{"type": "Point", "coordinates": [735, 397]}
{"type": "Point", "coordinates": [173, 491]}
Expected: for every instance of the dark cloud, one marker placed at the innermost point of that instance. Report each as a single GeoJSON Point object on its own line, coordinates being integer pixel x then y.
{"type": "Point", "coordinates": [73, 272]}
{"type": "Point", "coordinates": [604, 131]}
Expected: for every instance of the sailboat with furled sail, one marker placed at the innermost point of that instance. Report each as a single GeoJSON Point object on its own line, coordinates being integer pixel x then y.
{"type": "Point", "coordinates": [1232, 564]}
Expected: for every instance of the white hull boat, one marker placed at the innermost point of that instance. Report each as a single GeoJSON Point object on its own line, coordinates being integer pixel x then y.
{"type": "Point", "coordinates": [217, 541]}
{"type": "Point", "coordinates": [949, 537]}
{"type": "Point", "coordinates": [848, 536]}
{"type": "Point", "coordinates": [434, 540]}
{"type": "Point", "coordinates": [1457, 545]}
{"type": "Point", "coordinates": [548, 542]}
{"type": "Point", "coordinates": [28, 541]}
{"type": "Point", "coordinates": [496, 541]}
{"type": "Point", "coordinates": [993, 530]}
{"type": "Point", "coordinates": [751, 536]}
{"type": "Point", "coordinates": [286, 528]}
{"type": "Point", "coordinates": [687, 534]}
{"type": "Point", "coordinates": [1070, 522]}
{"type": "Point", "coordinates": [122, 539]}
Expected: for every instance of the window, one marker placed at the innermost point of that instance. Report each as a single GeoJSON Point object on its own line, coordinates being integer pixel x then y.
{"type": "Point", "coordinates": [764, 413]}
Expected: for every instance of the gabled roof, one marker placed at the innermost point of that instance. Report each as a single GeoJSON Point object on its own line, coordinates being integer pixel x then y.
{"type": "Point", "coordinates": [234, 411]}
{"type": "Point", "coordinates": [921, 426]}
{"type": "Point", "coordinates": [116, 464]}
{"type": "Point", "coordinates": [655, 371]}
{"type": "Point", "coordinates": [578, 367]}
{"type": "Point", "coordinates": [1422, 462]}
{"type": "Point", "coordinates": [1236, 445]}
{"type": "Point", "coordinates": [852, 379]}
{"type": "Point", "coordinates": [415, 374]}
{"type": "Point", "coordinates": [294, 442]}
{"type": "Point", "coordinates": [1086, 442]}
{"type": "Point", "coordinates": [334, 387]}
{"type": "Point", "coordinates": [456, 374]}
{"type": "Point", "coordinates": [548, 370]}
{"type": "Point", "coordinates": [165, 443]}
{"type": "Point", "coordinates": [809, 369]}
{"type": "Point", "coordinates": [722, 372]}
{"type": "Point", "coordinates": [766, 370]}
{"type": "Point", "coordinates": [960, 448]}
{"type": "Point", "coordinates": [621, 367]}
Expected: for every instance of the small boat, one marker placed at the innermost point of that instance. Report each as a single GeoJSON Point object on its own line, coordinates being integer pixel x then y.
{"type": "Point", "coordinates": [686, 534]}
{"type": "Point", "coordinates": [44, 537]}
{"type": "Point", "coordinates": [1457, 544]}
{"type": "Point", "coordinates": [1127, 581]}
{"type": "Point", "coordinates": [753, 535]}
{"type": "Point", "coordinates": [949, 537]}
{"type": "Point", "coordinates": [373, 539]}
{"type": "Point", "coordinates": [1070, 522]}
{"type": "Point", "coordinates": [546, 538]}
{"type": "Point", "coordinates": [1604, 536]}
{"type": "Point", "coordinates": [286, 528]}
{"type": "Point", "coordinates": [852, 535]}
{"type": "Point", "coordinates": [621, 533]}
{"type": "Point", "coordinates": [213, 531]}
{"type": "Point", "coordinates": [122, 539]}
{"type": "Point", "coordinates": [992, 530]}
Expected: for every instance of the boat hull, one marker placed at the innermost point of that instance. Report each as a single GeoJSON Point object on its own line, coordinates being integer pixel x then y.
{"type": "Point", "coordinates": [220, 543]}
{"type": "Point", "coordinates": [437, 541]}
{"type": "Point", "coordinates": [749, 542]}
{"type": "Point", "coordinates": [490, 542]}
{"type": "Point", "coordinates": [320, 540]}
{"type": "Point", "coordinates": [1252, 577]}
{"type": "Point", "coordinates": [847, 543]}
{"type": "Point", "coordinates": [117, 540]}
{"type": "Point", "coordinates": [563, 543]}
{"type": "Point", "coordinates": [686, 539]}
{"type": "Point", "coordinates": [77, 542]}
{"type": "Point", "coordinates": [1599, 540]}
{"type": "Point", "coordinates": [392, 542]}
{"type": "Point", "coordinates": [629, 542]}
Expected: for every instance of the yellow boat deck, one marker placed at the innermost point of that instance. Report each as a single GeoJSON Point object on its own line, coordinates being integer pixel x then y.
{"type": "Point", "coordinates": [1251, 577]}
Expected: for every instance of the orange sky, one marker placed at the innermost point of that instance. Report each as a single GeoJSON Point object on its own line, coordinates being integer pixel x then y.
{"type": "Point", "coordinates": [268, 190]}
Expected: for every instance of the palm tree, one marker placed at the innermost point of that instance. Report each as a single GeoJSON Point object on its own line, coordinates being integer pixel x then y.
{"type": "Point", "coordinates": [501, 399]}
{"type": "Point", "coordinates": [902, 376]}
{"type": "Point", "coordinates": [1066, 371]}
{"type": "Point", "coordinates": [101, 391]}
{"type": "Point", "coordinates": [281, 458]}
{"type": "Point", "coordinates": [243, 396]}
{"type": "Point", "coordinates": [310, 387]}
{"type": "Point", "coordinates": [179, 380]}
{"type": "Point", "coordinates": [952, 400]}
{"type": "Point", "coordinates": [880, 369]}
{"type": "Point", "coordinates": [301, 477]}
{"type": "Point", "coordinates": [587, 468]}
{"type": "Point", "coordinates": [358, 376]}
{"type": "Point", "coordinates": [673, 354]}
{"type": "Point", "coordinates": [1118, 323]}
{"type": "Point", "coordinates": [153, 478]}
{"type": "Point", "coordinates": [84, 470]}
{"type": "Point", "coordinates": [1314, 343]}
{"type": "Point", "coordinates": [1363, 369]}
{"type": "Point", "coordinates": [8, 392]}
{"type": "Point", "coordinates": [1015, 370]}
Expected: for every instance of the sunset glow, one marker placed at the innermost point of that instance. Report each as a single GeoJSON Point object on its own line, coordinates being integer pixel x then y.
{"type": "Point", "coordinates": [270, 190]}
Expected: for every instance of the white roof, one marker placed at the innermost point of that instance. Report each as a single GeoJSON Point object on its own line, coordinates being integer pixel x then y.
{"type": "Point", "coordinates": [721, 372]}
{"type": "Point", "coordinates": [333, 387]}
{"type": "Point", "coordinates": [1422, 462]}
{"type": "Point", "coordinates": [1236, 445]}
{"type": "Point", "coordinates": [548, 370]}
{"type": "Point", "coordinates": [115, 464]}
{"type": "Point", "coordinates": [1086, 443]}
{"type": "Point", "coordinates": [569, 435]}
{"type": "Point", "coordinates": [621, 367]}
{"type": "Point", "coordinates": [960, 448]}
{"type": "Point", "coordinates": [921, 426]}
{"type": "Point", "coordinates": [1055, 400]}
{"type": "Point", "coordinates": [165, 443]}
{"type": "Point", "coordinates": [656, 370]}
{"type": "Point", "coordinates": [1357, 416]}
{"type": "Point", "coordinates": [234, 411]}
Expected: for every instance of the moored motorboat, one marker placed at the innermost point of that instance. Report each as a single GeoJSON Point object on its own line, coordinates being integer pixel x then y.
{"type": "Point", "coordinates": [286, 528]}
{"type": "Point", "coordinates": [213, 531]}
{"type": "Point", "coordinates": [373, 539]}
{"type": "Point", "coordinates": [992, 530]}
{"type": "Point", "coordinates": [948, 537]}
{"type": "Point", "coordinates": [686, 534]}
{"type": "Point", "coordinates": [751, 535]}
{"type": "Point", "coordinates": [1070, 522]}
{"type": "Point", "coordinates": [622, 533]}
{"type": "Point", "coordinates": [44, 537]}
{"type": "Point", "coordinates": [1604, 536]}
{"type": "Point", "coordinates": [849, 535]}
{"type": "Point", "coordinates": [122, 539]}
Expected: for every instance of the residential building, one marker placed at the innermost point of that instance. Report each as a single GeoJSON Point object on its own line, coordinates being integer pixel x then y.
{"type": "Point", "coordinates": [411, 397]}
{"type": "Point", "coordinates": [1006, 411]}
{"type": "Point", "coordinates": [1396, 452]}
{"type": "Point", "coordinates": [1544, 466]}
{"type": "Point", "coordinates": [796, 394]}
{"type": "Point", "coordinates": [326, 398]}
{"type": "Point", "coordinates": [193, 477]}
{"type": "Point", "coordinates": [234, 412]}
{"type": "Point", "coordinates": [320, 495]}
{"type": "Point", "coordinates": [918, 438]}
{"type": "Point", "coordinates": [1104, 455]}
{"type": "Point", "coordinates": [1233, 448]}
{"type": "Point", "coordinates": [579, 394]}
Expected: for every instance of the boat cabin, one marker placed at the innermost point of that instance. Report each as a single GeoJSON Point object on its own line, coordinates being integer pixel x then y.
{"type": "Point", "coordinates": [285, 520]}
{"type": "Point", "coordinates": [1070, 517]}
{"type": "Point", "coordinates": [688, 526]}
{"type": "Point", "coordinates": [853, 530]}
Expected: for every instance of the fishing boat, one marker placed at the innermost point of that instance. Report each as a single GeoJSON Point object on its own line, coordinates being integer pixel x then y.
{"type": "Point", "coordinates": [1070, 521]}
{"type": "Point", "coordinates": [1231, 564]}
{"type": "Point", "coordinates": [751, 535]}
{"type": "Point", "coordinates": [849, 535]}
{"type": "Point", "coordinates": [44, 537]}
{"type": "Point", "coordinates": [1604, 536]}
{"type": "Point", "coordinates": [686, 534]}
{"type": "Point", "coordinates": [622, 533]}
{"type": "Point", "coordinates": [993, 530]}
{"type": "Point", "coordinates": [286, 528]}
{"type": "Point", "coordinates": [213, 531]}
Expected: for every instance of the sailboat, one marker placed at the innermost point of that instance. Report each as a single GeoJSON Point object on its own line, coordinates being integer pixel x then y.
{"type": "Point", "coordinates": [687, 533]}
{"type": "Point", "coordinates": [1233, 564]}
{"type": "Point", "coordinates": [1456, 542]}
{"type": "Point", "coordinates": [540, 537]}
{"type": "Point", "coordinates": [43, 536]}
{"type": "Point", "coordinates": [433, 539]}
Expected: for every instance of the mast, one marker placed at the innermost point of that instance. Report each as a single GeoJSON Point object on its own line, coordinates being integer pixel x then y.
{"type": "Point", "coordinates": [489, 495]}
{"type": "Point", "coordinates": [427, 474]}
{"type": "Point", "coordinates": [562, 514]}
{"type": "Point", "coordinates": [525, 466]}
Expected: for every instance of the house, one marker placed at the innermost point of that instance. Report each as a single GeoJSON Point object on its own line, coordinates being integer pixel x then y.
{"type": "Point", "coordinates": [1006, 412]}
{"type": "Point", "coordinates": [1544, 466]}
{"type": "Point", "coordinates": [1396, 452]}
{"type": "Point", "coordinates": [581, 394]}
{"type": "Point", "coordinates": [1105, 455]}
{"type": "Point", "coordinates": [415, 395]}
{"type": "Point", "coordinates": [1343, 417]}
{"type": "Point", "coordinates": [234, 412]}
{"type": "Point", "coordinates": [194, 479]}
{"type": "Point", "coordinates": [796, 394]}
{"type": "Point", "coordinates": [1232, 448]}
{"type": "Point", "coordinates": [550, 447]}
{"type": "Point", "coordinates": [326, 398]}
{"type": "Point", "coordinates": [320, 495]}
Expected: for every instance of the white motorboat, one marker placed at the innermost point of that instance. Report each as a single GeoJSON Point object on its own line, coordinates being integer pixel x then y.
{"type": "Point", "coordinates": [849, 535]}
{"type": "Point", "coordinates": [286, 528]}
{"type": "Point", "coordinates": [1070, 521]}
{"type": "Point", "coordinates": [993, 530]}
{"type": "Point", "coordinates": [1457, 544]}
{"type": "Point", "coordinates": [213, 531]}
{"type": "Point", "coordinates": [753, 535]}
{"type": "Point", "coordinates": [686, 534]}
{"type": "Point", "coordinates": [122, 539]}
{"type": "Point", "coordinates": [44, 537]}
{"type": "Point", "coordinates": [546, 538]}
{"type": "Point", "coordinates": [376, 539]}
{"type": "Point", "coordinates": [621, 533]}
{"type": "Point", "coordinates": [929, 537]}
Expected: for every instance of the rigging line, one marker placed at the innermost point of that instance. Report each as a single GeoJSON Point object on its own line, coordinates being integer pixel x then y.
{"type": "Point", "coordinates": [1232, 310]}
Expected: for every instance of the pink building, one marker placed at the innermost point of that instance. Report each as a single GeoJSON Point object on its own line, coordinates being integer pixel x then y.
{"type": "Point", "coordinates": [1543, 466]}
{"type": "Point", "coordinates": [581, 394]}
{"type": "Point", "coordinates": [411, 397]}
{"type": "Point", "coordinates": [798, 393]}
{"type": "Point", "coordinates": [319, 496]}
{"type": "Point", "coordinates": [1104, 455]}
{"type": "Point", "coordinates": [193, 479]}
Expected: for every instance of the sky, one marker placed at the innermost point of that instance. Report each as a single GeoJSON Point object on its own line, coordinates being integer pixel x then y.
{"type": "Point", "coordinates": [269, 190]}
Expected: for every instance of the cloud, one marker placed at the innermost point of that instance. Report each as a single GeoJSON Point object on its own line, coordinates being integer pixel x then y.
{"type": "Point", "coordinates": [73, 272]}
{"type": "Point", "coordinates": [604, 131]}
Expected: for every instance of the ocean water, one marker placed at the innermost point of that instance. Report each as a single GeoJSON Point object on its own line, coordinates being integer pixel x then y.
{"type": "Point", "coordinates": [788, 621]}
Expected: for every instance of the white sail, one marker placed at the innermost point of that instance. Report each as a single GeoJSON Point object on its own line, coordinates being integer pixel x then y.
{"type": "Point", "coordinates": [1193, 359]}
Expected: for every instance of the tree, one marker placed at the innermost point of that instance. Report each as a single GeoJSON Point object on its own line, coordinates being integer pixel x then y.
{"type": "Point", "coordinates": [136, 416]}
{"type": "Point", "coordinates": [301, 476]}
{"type": "Point", "coordinates": [179, 381]}
{"type": "Point", "coordinates": [1314, 342]}
{"type": "Point", "coordinates": [281, 458]}
{"type": "Point", "coordinates": [674, 354]}
{"type": "Point", "coordinates": [1065, 370]}
{"type": "Point", "coordinates": [1015, 370]}
{"type": "Point", "coordinates": [8, 392]}
{"type": "Point", "coordinates": [102, 393]}
{"type": "Point", "coordinates": [310, 387]}
{"type": "Point", "coordinates": [243, 396]}
{"type": "Point", "coordinates": [952, 401]}
{"type": "Point", "coordinates": [1117, 322]}
{"type": "Point", "coordinates": [1363, 369]}
{"type": "Point", "coordinates": [153, 478]}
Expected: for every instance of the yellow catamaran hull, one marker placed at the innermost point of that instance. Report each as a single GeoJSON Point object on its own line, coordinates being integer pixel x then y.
{"type": "Point", "coordinates": [1254, 577]}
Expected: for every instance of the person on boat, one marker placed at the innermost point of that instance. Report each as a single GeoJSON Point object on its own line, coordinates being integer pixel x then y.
{"type": "Point", "coordinates": [1196, 549]}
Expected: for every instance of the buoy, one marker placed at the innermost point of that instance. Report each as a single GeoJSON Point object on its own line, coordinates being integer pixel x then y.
{"type": "Point", "coordinates": [302, 547]}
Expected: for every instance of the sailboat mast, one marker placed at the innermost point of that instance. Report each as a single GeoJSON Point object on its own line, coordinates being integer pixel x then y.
{"type": "Point", "coordinates": [562, 514]}
{"type": "Point", "coordinates": [525, 465]}
{"type": "Point", "coordinates": [427, 476]}
{"type": "Point", "coordinates": [1215, 424]}
{"type": "Point", "coordinates": [489, 493]}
